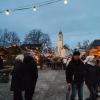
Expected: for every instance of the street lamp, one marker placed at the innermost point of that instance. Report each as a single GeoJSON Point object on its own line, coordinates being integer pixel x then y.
{"type": "Point", "coordinates": [7, 12]}
{"type": "Point", "coordinates": [34, 8]}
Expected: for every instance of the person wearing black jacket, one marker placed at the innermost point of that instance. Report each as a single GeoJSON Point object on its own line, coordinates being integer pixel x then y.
{"type": "Point", "coordinates": [92, 77]}
{"type": "Point", "coordinates": [75, 75]}
{"type": "Point", "coordinates": [1, 63]}
{"type": "Point", "coordinates": [24, 78]}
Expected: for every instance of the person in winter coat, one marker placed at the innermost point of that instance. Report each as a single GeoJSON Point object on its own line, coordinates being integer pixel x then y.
{"type": "Point", "coordinates": [92, 77]}
{"type": "Point", "coordinates": [98, 87]}
{"type": "Point", "coordinates": [75, 75]}
{"type": "Point", "coordinates": [16, 81]}
{"type": "Point", "coordinates": [1, 63]}
{"type": "Point", "coordinates": [24, 78]}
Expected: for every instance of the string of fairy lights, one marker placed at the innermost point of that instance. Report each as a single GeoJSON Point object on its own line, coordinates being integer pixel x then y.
{"type": "Point", "coordinates": [34, 7]}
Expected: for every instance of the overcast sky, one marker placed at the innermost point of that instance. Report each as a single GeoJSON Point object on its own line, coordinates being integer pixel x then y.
{"type": "Point", "coordinates": [79, 20]}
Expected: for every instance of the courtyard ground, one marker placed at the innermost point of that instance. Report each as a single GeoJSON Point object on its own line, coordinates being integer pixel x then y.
{"type": "Point", "coordinates": [51, 85]}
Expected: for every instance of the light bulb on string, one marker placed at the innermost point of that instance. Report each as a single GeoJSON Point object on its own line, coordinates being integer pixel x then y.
{"type": "Point", "coordinates": [7, 12]}
{"type": "Point", "coordinates": [65, 2]}
{"type": "Point", "coordinates": [34, 8]}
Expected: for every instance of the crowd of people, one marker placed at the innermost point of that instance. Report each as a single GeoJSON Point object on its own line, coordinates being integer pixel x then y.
{"type": "Point", "coordinates": [79, 71]}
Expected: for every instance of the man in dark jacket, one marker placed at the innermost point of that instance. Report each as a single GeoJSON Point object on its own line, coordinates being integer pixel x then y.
{"type": "Point", "coordinates": [24, 78]}
{"type": "Point", "coordinates": [75, 75]}
{"type": "Point", "coordinates": [92, 77]}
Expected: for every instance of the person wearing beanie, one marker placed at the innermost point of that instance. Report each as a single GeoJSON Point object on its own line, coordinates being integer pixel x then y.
{"type": "Point", "coordinates": [75, 75]}
{"type": "Point", "coordinates": [76, 53]}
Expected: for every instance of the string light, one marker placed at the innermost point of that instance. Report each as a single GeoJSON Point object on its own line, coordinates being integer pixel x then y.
{"type": "Point", "coordinates": [34, 8]}
{"type": "Point", "coordinates": [65, 2]}
{"type": "Point", "coordinates": [41, 4]}
{"type": "Point", "coordinates": [7, 12]}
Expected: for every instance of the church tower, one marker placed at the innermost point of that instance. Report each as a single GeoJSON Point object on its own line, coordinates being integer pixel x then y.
{"type": "Point", "coordinates": [60, 42]}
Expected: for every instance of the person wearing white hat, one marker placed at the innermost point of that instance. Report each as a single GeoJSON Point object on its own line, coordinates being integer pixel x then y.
{"type": "Point", "coordinates": [91, 76]}
{"type": "Point", "coordinates": [16, 81]}
{"type": "Point", "coordinates": [24, 77]}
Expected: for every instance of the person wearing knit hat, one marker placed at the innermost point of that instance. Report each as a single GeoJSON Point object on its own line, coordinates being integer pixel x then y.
{"type": "Point", "coordinates": [75, 75]}
{"type": "Point", "coordinates": [76, 56]}
{"type": "Point", "coordinates": [76, 53]}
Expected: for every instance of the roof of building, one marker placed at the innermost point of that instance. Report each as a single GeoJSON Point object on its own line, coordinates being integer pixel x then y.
{"type": "Point", "coordinates": [95, 43]}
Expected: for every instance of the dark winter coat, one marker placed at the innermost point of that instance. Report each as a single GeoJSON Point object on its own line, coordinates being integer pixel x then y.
{"type": "Point", "coordinates": [24, 75]}
{"type": "Point", "coordinates": [1, 63]}
{"type": "Point", "coordinates": [30, 73]}
{"type": "Point", "coordinates": [17, 75]}
{"type": "Point", "coordinates": [92, 76]}
{"type": "Point", "coordinates": [75, 72]}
